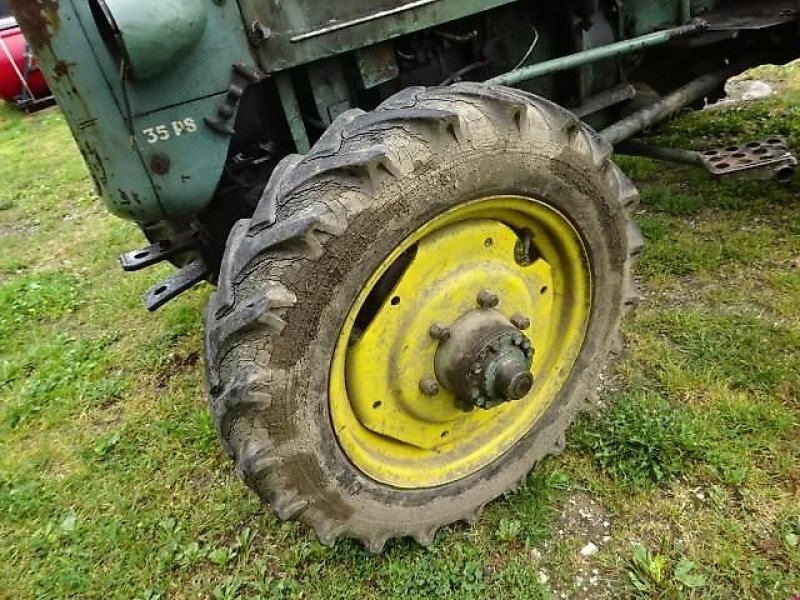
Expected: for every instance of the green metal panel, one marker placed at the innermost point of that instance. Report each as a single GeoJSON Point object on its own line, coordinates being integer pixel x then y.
{"type": "Point", "coordinates": [330, 88]}
{"type": "Point", "coordinates": [646, 16]}
{"type": "Point", "coordinates": [152, 34]}
{"type": "Point", "coordinates": [193, 155]}
{"type": "Point", "coordinates": [303, 31]}
{"type": "Point", "coordinates": [148, 148]}
{"type": "Point", "coordinates": [596, 54]}
{"type": "Point", "coordinates": [203, 72]}
{"type": "Point", "coordinates": [291, 108]}
{"type": "Point", "coordinates": [376, 65]}
{"type": "Point", "coordinates": [90, 109]}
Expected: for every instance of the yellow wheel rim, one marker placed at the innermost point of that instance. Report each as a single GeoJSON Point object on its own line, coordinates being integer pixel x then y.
{"type": "Point", "coordinates": [533, 259]}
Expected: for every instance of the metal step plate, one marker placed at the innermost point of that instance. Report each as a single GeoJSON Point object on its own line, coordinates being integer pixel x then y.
{"type": "Point", "coordinates": [760, 160]}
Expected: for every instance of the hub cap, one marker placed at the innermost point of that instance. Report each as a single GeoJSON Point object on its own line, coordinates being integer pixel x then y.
{"type": "Point", "coordinates": [459, 342]}
{"type": "Point", "coordinates": [485, 360]}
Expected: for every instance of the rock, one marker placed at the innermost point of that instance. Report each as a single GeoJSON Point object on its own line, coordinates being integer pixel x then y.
{"type": "Point", "coordinates": [589, 549]}
{"type": "Point", "coordinates": [740, 90]}
{"type": "Point", "coordinates": [543, 579]}
{"type": "Point", "coordinates": [748, 90]}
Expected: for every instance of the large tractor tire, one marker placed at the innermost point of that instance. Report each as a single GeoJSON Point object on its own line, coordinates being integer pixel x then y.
{"type": "Point", "coordinates": [418, 309]}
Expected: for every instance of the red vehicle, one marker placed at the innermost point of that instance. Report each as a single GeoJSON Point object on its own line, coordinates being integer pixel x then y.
{"type": "Point", "coordinates": [21, 81]}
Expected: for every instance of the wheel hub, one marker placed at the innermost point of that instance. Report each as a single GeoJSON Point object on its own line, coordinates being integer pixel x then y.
{"type": "Point", "coordinates": [444, 327]}
{"type": "Point", "coordinates": [485, 360]}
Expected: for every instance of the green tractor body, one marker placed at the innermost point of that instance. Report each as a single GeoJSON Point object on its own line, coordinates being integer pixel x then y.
{"type": "Point", "coordinates": [342, 169]}
{"type": "Point", "coordinates": [157, 91]}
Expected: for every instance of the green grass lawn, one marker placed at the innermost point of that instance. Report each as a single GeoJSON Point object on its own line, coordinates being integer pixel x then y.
{"type": "Point", "coordinates": [112, 484]}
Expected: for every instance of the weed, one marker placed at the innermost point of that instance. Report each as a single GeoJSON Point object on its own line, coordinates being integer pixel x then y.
{"type": "Point", "coordinates": [641, 441]}
{"type": "Point", "coordinates": [647, 572]}
{"type": "Point", "coordinates": [519, 581]}
{"type": "Point", "coordinates": [653, 575]}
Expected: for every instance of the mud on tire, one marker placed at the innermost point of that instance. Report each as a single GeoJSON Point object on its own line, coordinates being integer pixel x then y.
{"type": "Point", "coordinates": [291, 273]}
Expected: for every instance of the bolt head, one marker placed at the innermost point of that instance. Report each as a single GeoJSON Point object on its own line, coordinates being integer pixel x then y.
{"type": "Point", "coordinates": [519, 386]}
{"type": "Point", "coordinates": [259, 33]}
{"type": "Point", "coordinates": [520, 321]}
{"type": "Point", "coordinates": [439, 332]}
{"type": "Point", "coordinates": [429, 386]}
{"type": "Point", "coordinates": [488, 299]}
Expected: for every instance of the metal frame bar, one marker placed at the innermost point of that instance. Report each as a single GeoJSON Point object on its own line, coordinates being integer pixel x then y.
{"type": "Point", "coordinates": [686, 10]}
{"type": "Point", "coordinates": [669, 105]}
{"type": "Point", "coordinates": [586, 57]}
{"type": "Point", "coordinates": [361, 20]}
{"type": "Point", "coordinates": [291, 109]}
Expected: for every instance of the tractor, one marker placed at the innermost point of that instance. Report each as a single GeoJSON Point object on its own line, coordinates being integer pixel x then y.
{"type": "Point", "coordinates": [421, 246]}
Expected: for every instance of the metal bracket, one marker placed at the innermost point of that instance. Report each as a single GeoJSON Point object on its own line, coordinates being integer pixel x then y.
{"type": "Point", "coordinates": [759, 160]}
{"type": "Point", "coordinates": [243, 76]}
{"type": "Point", "coordinates": [148, 256]}
{"type": "Point", "coordinates": [174, 286]}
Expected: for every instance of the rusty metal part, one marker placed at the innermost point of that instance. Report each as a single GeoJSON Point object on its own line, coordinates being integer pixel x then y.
{"type": "Point", "coordinates": [488, 299]}
{"type": "Point", "coordinates": [39, 19]}
{"type": "Point", "coordinates": [605, 100]}
{"type": "Point", "coordinates": [760, 160]}
{"type": "Point", "coordinates": [243, 76]}
{"type": "Point", "coordinates": [669, 105]}
{"type": "Point", "coordinates": [521, 322]}
{"type": "Point", "coordinates": [486, 361]}
{"type": "Point", "coordinates": [672, 155]}
{"type": "Point", "coordinates": [137, 260]}
{"type": "Point", "coordinates": [439, 332]}
{"type": "Point", "coordinates": [183, 280]}
{"type": "Point", "coordinates": [429, 386]}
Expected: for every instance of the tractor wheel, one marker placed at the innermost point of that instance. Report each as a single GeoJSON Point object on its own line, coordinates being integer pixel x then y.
{"type": "Point", "coordinates": [418, 309]}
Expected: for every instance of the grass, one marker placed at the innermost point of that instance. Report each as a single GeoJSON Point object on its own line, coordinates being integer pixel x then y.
{"type": "Point", "coordinates": [112, 484]}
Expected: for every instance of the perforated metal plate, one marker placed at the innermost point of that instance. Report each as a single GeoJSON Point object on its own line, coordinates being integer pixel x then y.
{"type": "Point", "coordinates": [766, 159]}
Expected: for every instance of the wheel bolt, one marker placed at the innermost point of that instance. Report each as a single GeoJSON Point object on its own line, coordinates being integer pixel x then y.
{"type": "Point", "coordinates": [429, 386]}
{"type": "Point", "coordinates": [520, 321]}
{"type": "Point", "coordinates": [439, 332]}
{"type": "Point", "coordinates": [488, 299]}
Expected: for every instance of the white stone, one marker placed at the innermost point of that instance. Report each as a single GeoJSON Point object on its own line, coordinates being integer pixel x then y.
{"type": "Point", "coordinates": [543, 579]}
{"type": "Point", "coordinates": [589, 549]}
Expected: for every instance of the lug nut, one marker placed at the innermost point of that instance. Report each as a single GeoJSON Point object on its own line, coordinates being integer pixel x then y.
{"type": "Point", "coordinates": [488, 299]}
{"type": "Point", "coordinates": [429, 386]}
{"type": "Point", "coordinates": [439, 332]}
{"type": "Point", "coordinates": [520, 321]}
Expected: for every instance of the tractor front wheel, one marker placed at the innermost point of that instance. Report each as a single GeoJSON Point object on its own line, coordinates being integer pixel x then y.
{"type": "Point", "coordinates": [418, 310]}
